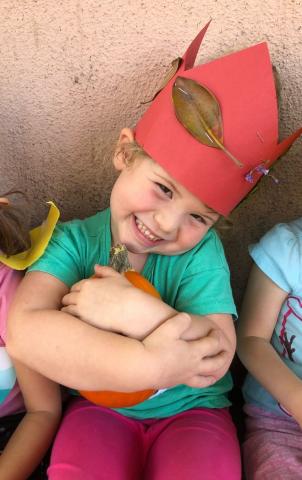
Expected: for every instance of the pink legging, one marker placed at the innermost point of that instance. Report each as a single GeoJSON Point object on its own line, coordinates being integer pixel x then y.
{"type": "Point", "coordinates": [96, 443]}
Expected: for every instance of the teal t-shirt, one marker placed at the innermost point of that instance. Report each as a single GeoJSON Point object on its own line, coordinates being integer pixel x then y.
{"type": "Point", "coordinates": [196, 282]}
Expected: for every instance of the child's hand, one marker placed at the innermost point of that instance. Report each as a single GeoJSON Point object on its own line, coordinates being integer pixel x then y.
{"type": "Point", "coordinates": [180, 361]}
{"type": "Point", "coordinates": [110, 302]}
{"type": "Point", "coordinates": [204, 325]}
{"type": "Point", "coordinates": [101, 300]}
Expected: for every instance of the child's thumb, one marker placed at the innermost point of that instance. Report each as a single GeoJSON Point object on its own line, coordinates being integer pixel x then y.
{"type": "Point", "coordinates": [98, 270]}
{"type": "Point", "coordinates": [104, 271]}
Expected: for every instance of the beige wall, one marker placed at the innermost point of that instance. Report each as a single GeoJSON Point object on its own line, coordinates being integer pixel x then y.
{"type": "Point", "coordinates": [73, 72]}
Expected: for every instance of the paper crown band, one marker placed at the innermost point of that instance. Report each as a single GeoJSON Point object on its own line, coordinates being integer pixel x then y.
{"type": "Point", "coordinates": [243, 83]}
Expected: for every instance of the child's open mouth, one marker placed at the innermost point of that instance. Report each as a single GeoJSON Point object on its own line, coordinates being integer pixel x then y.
{"type": "Point", "coordinates": [145, 231]}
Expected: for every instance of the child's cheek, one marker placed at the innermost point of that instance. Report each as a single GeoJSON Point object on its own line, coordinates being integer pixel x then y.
{"type": "Point", "coordinates": [154, 196]}
{"type": "Point", "coordinates": [195, 231]}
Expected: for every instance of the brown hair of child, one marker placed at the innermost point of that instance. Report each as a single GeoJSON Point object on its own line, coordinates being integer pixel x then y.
{"type": "Point", "coordinates": [14, 233]}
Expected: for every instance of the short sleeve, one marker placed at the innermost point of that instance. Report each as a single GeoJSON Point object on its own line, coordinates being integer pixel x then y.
{"type": "Point", "coordinates": [75, 248]}
{"type": "Point", "coordinates": [278, 254]}
{"type": "Point", "coordinates": [62, 256]}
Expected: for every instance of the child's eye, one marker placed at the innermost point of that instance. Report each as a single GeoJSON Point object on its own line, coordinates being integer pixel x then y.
{"type": "Point", "coordinates": [165, 189]}
{"type": "Point", "coordinates": [198, 218]}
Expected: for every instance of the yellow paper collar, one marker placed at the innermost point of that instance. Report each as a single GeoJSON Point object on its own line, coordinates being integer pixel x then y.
{"type": "Point", "coordinates": [40, 237]}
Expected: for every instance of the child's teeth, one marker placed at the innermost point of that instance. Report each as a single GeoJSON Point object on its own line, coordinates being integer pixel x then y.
{"type": "Point", "coordinates": [142, 228]}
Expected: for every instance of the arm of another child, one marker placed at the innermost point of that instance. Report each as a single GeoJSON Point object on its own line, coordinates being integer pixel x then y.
{"type": "Point", "coordinates": [80, 356]}
{"type": "Point", "coordinates": [34, 434]}
{"type": "Point", "coordinates": [262, 304]}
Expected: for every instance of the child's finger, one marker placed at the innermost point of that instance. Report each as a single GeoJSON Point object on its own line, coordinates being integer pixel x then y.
{"type": "Point", "coordinates": [105, 271]}
{"type": "Point", "coordinates": [71, 310]}
{"type": "Point", "coordinates": [76, 287]}
{"type": "Point", "coordinates": [209, 346]}
{"type": "Point", "coordinates": [70, 298]}
{"type": "Point", "coordinates": [211, 365]}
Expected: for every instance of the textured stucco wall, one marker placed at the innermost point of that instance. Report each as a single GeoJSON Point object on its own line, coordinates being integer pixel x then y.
{"type": "Point", "coordinates": [74, 72]}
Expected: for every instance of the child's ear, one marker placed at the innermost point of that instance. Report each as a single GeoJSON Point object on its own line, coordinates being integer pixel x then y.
{"type": "Point", "coordinates": [119, 159]}
{"type": "Point", "coordinates": [126, 136]}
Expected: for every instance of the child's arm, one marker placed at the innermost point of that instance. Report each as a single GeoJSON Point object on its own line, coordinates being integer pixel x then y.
{"type": "Point", "coordinates": [81, 356]}
{"type": "Point", "coordinates": [34, 434]}
{"type": "Point", "coordinates": [223, 324]}
{"type": "Point", "coordinates": [110, 302]}
{"type": "Point", "coordinates": [262, 304]}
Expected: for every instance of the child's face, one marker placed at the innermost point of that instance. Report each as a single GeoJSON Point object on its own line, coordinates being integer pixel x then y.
{"type": "Point", "coordinates": [151, 212]}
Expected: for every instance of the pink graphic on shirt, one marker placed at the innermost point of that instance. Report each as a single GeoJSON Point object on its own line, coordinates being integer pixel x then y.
{"type": "Point", "coordinates": [294, 305]}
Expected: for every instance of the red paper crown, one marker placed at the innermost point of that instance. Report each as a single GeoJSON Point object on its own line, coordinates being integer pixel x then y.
{"type": "Point", "coordinates": [243, 83]}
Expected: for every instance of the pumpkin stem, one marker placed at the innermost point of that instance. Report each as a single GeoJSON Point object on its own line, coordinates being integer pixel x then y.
{"type": "Point", "coordinates": [118, 259]}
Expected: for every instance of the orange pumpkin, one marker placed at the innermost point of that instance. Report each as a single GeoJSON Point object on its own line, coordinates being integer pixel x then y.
{"type": "Point", "coordinates": [141, 282]}
{"type": "Point", "coordinates": [124, 399]}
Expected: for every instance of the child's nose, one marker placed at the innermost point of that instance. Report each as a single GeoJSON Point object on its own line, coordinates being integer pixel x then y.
{"type": "Point", "coordinates": [167, 219]}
